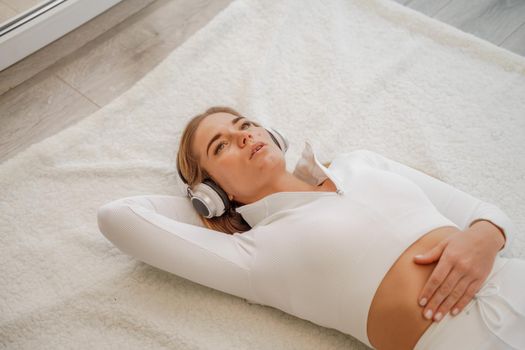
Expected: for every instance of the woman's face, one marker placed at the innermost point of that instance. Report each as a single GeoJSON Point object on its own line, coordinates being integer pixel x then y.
{"type": "Point", "coordinates": [223, 143]}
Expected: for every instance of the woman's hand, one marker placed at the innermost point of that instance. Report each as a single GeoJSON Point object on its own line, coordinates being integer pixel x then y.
{"type": "Point", "coordinates": [465, 261]}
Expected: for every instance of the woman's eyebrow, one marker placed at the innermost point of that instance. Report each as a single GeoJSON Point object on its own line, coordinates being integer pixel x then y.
{"type": "Point", "coordinates": [235, 120]}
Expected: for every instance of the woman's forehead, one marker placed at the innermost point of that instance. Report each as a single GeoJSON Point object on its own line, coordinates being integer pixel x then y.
{"type": "Point", "coordinates": [211, 122]}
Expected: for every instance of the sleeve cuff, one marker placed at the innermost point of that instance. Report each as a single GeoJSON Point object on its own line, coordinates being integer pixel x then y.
{"type": "Point", "coordinates": [491, 213]}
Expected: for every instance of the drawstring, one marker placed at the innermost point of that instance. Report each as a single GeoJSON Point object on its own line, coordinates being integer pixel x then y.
{"type": "Point", "coordinates": [495, 320]}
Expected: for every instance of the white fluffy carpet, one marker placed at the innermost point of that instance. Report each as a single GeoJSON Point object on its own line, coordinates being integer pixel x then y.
{"type": "Point", "coordinates": [348, 74]}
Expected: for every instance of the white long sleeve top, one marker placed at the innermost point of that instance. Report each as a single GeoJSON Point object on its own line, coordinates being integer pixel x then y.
{"type": "Point", "coordinates": [317, 255]}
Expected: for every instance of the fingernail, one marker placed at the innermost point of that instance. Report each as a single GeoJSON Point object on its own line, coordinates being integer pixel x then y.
{"type": "Point", "coordinates": [438, 316]}
{"type": "Point", "coordinates": [428, 314]}
{"type": "Point", "coordinates": [423, 302]}
{"type": "Point", "coordinates": [455, 311]}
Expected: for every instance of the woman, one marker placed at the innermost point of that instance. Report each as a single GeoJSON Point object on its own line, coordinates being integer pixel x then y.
{"type": "Point", "coordinates": [337, 245]}
{"type": "Point", "coordinates": [394, 321]}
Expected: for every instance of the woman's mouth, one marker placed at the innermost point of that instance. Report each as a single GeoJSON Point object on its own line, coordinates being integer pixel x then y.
{"type": "Point", "coordinates": [256, 149]}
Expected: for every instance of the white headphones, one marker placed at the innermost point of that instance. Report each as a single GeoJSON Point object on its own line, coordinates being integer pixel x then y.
{"type": "Point", "coordinates": [208, 198]}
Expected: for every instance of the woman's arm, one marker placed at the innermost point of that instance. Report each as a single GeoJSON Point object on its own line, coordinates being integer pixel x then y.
{"type": "Point", "coordinates": [463, 261]}
{"type": "Point", "coordinates": [461, 208]}
{"type": "Point", "coordinates": [153, 229]}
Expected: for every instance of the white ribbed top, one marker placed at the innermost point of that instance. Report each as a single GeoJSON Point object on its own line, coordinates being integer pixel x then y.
{"type": "Point", "coordinates": [322, 255]}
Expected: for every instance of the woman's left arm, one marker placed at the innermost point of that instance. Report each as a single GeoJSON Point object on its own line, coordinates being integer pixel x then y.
{"type": "Point", "coordinates": [464, 260]}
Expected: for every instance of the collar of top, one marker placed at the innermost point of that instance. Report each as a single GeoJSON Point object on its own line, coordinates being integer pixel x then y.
{"type": "Point", "coordinates": [308, 169]}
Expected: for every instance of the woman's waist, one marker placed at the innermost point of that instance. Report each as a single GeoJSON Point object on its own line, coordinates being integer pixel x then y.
{"type": "Point", "coordinates": [395, 319]}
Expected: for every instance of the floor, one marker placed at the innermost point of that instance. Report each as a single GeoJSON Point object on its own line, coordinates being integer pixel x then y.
{"type": "Point", "coordinates": [66, 81]}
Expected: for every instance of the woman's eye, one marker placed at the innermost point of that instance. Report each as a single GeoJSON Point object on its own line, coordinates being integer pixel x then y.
{"type": "Point", "coordinates": [217, 150]}
{"type": "Point", "coordinates": [218, 147]}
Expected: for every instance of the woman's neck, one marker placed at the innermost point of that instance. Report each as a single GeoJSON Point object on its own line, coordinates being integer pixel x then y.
{"type": "Point", "coordinates": [327, 186]}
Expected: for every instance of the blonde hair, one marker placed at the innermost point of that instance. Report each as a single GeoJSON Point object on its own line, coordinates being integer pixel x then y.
{"type": "Point", "coordinates": [231, 221]}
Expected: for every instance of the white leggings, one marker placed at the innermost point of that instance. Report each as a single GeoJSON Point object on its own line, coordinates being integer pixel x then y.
{"type": "Point", "coordinates": [493, 320]}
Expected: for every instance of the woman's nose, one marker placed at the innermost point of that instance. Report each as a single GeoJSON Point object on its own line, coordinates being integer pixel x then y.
{"type": "Point", "coordinates": [244, 138]}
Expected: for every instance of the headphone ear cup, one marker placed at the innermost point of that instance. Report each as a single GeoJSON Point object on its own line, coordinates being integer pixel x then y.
{"type": "Point", "coordinates": [278, 138]}
{"type": "Point", "coordinates": [209, 199]}
{"type": "Point", "coordinates": [225, 202]}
